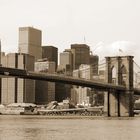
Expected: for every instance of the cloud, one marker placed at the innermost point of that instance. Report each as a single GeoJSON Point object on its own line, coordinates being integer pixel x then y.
{"type": "Point", "coordinates": [118, 48]}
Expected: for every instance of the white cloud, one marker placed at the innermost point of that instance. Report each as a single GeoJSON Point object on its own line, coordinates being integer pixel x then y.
{"type": "Point", "coordinates": [118, 48]}
{"type": "Point", "coordinates": [64, 22]}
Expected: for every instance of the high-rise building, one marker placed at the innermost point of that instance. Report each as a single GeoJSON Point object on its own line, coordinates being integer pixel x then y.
{"type": "Point", "coordinates": [51, 53]}
{"type": "Point", "coordinates": [81, 95]}
{"type": "Point", "coordinates": [44, 91]}
{"type": "Point", "coordinates": [66, 59]}
{"type": "Point", "coordinates": [62, 91]}
{"type": "Point", "coordinates": [16, 90]}
{"type": "Point", "coordinates": [94, 60]}
{"type": "Point", "coordinates": [65, 68]}
{"type": "Point", "coordinates": [81, 54]}
{"type": "Point", "coordinates": [30, 41]}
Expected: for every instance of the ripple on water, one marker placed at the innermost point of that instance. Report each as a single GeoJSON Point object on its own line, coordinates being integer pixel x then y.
{"type": "Point", "coordinates": [42, 128]}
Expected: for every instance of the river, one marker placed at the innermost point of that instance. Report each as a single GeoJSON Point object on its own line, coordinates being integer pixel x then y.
{"type": "Point", "coordinates": [43, 128]}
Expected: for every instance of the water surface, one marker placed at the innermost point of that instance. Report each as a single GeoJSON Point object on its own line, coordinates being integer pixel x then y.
{"type": "Point", "coordinates": [42, 128]}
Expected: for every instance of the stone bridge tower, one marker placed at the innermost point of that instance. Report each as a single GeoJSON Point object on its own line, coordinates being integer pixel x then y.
{"type": "Point", "coordinates": [119, 71]}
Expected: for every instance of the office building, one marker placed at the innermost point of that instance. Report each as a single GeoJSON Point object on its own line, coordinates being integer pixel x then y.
{"type": "Point", "coordinates": [66, 59]}
{"type": "Point", "coordinates": [62, 91]}
{"type": "Point", "coordinates": [81, 95]}
{"type": "Point", "coordinates": [16, 90]}
{"type": "Point", "coordinates": [44, 91]}
{"type": "Point", "coordinates": [51, 53]}
{"type": "Point", "coordinates": [94, 60]}
{"type": "Point", "coordinates": [30, 41]}
{"type": "Point", "coordinates": [65, 68]}
{"type": "Point", "coordinates": [81, 55]}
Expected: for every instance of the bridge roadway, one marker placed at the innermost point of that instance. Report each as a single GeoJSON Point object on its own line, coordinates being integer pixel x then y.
{"type": "Point", "coordinates": [19, 73]}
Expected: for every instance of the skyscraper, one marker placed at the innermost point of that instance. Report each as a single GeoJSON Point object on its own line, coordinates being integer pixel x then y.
{"type": "Point", "coordinates": [66, 61]}
{"type": "Point", "coordinates": [44, 91]}
{"type": "Point", "coordinates": [94, 60]}
{"type": "Point", "coordinates": [65, 68]}
{"type": "Point", "coordinates": [81, 54]}
{"type": "Point", "coordinates": [16, 90]}
{"type": "Point", "coordinates": [30, 41]}
{"type": "Point", "coordinates": [51, 53]}
{"type": "Point", "coordinates": [81, 94]}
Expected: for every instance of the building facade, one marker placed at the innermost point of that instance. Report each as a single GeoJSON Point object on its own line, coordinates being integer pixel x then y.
{"type": "Point", "coordinates": [81, 95]}
{"type": "Point", "coordinates": [16, 90]}
{"type": "Point", "coordinates": [30, 41]}
{"type": "Point", "coordinates": [63, 91]}
{"type": "Point", "coordinates": [51, 53]}
{"type": "Point", "coordinates": [81, 55]}
{"type": "Point", "coordinates": [94, 61]}
{"type": "Point", "coordinates": [44, 91]}
{"type": "Point", "coordinates": [66, 62]}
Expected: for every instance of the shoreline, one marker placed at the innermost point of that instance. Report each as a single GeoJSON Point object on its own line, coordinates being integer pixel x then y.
{"type": "Point", "coordinates": [70, 117]}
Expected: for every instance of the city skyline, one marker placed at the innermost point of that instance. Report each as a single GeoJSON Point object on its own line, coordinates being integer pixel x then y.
{"type": "Point", "coordinates": [106, 26]}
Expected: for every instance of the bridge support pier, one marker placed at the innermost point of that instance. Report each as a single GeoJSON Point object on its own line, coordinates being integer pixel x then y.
{"type": "Point", "coordinates": [118, 104]}
{"type": "Point", "coordinates": [119, 71]}
{"type": "Point", "coordinates": [111, 101]}
{"type": "Point", "coordinates": [126, 103]}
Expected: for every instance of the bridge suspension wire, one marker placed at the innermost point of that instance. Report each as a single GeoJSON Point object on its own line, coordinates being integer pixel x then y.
{"type": "Point", "coordinates": [136, 78]}
{"type": "Point", "coordinates": [99, 63]}
{"type": "Point", "coordinates": [95, 66]}
{"type": "Point", "coordinates": [99, 66]}
{"type": "Point", "coordinates": [102, 60]}
{"type": "Point", "coordinates": [102, 63]}
{"type": "Point", "coordinates": [136, 74]}
{"type": "Point", "coordinates": [136, 65]}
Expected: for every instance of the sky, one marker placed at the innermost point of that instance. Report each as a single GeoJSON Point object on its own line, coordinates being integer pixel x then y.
{"type": "Point", "coordinates": [107, 26]}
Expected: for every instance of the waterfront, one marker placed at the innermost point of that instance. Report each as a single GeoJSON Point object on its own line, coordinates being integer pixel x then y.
{"type": "Point", "coordinates": [47, 128]}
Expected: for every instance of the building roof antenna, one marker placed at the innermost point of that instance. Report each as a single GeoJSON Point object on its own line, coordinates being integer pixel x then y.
{"type": "Point", "coordinates": [84, 40]}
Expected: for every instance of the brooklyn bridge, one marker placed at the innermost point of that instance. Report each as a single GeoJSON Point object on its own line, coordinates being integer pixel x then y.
{"type": "Point", "coordinates": [119, 90]}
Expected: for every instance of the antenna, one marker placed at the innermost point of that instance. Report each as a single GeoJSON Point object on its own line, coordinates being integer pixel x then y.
{"type": "Point", "coordinates": [98, 45]}
{"type": "Point", "coordinates": [84, 40]}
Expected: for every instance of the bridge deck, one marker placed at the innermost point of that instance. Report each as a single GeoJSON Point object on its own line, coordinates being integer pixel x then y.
{"type": "Point", "coordinates": [58, 78]}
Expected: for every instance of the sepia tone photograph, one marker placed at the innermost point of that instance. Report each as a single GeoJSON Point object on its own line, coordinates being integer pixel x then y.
{"type": "Point", "coordinates": [69, 69]}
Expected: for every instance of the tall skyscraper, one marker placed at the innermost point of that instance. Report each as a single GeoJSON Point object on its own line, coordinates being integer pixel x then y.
{"type": "Point", "coordinates": [16, 90]}
{"type": "Point", "coordinates": [30, 41]}
{"type": "Point", "coordinates": [44, 91]}
{"type": "Point", "coordinates": [81, 95]}
{"type": "Point", "coordinates": [81, 53]}
{"type": "Point", "coordinates": [94, 60]}
{"type": "Point", "coordinates": [51, 53]}
{"type": "Point", "coordinates": [65, 68]}
{"type": "Point", "coordinates": [66, 61]}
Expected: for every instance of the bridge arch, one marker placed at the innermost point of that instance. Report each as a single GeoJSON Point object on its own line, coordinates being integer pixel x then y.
{"type": "Point", "coordinates": [119, 71]}
{"type": "Point", "coordinates": [113, 74]}
{"type": "Point", "coordinates": [123, 74]}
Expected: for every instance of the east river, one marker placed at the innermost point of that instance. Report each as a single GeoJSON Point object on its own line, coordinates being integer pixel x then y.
{"type": "Point", "coordinates": [44, 128]}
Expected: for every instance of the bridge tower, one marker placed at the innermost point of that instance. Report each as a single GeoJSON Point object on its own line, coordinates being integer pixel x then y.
{"type": "Point", "coordinates": [119, 71]}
